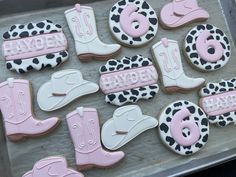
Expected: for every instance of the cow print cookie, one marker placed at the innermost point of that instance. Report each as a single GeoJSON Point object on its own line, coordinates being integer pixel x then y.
{"type": "Point", "coordinates": [184, 127]}
{"type": "Point", "coordinates": [128, 80]}
{"type": "Point", "coordinates": [218, 100]}
{"type": "Point", "coordinates": [34, 46]}
{"type": "Point", "coordinates": [133, 22]}
{"type": "Point", "coordinates": [207, 47]}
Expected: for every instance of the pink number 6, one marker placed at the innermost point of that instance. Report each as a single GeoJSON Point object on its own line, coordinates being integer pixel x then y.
{"type": "Point", "coordinates": [128, 16]}
{"type": "Point", "coordinates": [177, 125]}
{"type": "Point", "coordinates": [202, 46]}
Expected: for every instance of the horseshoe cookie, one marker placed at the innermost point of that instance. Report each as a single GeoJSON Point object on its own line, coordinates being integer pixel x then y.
{"type": "Point", "coordinates": [133, 23]}
{"type": "Point", "coordinates": [207, 47]}
{"type": "Point", "coordinates": [184, 127]}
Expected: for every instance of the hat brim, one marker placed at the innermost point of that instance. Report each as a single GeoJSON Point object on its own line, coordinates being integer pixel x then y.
{"type": "Point", "coordinates": [48, 102]}
{"type": "Point", "coordinates": [113, 141]}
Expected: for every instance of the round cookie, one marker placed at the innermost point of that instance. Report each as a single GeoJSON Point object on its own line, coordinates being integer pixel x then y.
{"type": "Point", "coordinates": [133, 22]}
{"type": "Point", "coordinates": [184, 127]}
{"type": "Point", "coordinates": [207, 47]}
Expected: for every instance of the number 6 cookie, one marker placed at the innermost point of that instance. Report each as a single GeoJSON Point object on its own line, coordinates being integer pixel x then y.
{"type": "Point", "coordinates": [207, 47]}
{"type": "Point", "coordinates": [133, 22]}
{"type": "Point", "coordinates": [184, 127]}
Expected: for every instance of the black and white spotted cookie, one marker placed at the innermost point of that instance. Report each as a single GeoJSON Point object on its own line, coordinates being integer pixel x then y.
{"type": "Point", "coordinates": [218, 100]}
{"type": "Point", "coordinates": [34, 46]}
{"type": "Point", "coordinates": [184, 127]}
{"type": "Point", "coordinates": [133, 22]}
{"type": "Point", "coordinates": [128, 80]}
{"type": "Point", "coordinates": [207, 47]}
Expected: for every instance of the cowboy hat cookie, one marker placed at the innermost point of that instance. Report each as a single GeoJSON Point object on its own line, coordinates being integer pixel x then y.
{"type": "Point", "coordinates": [82, 24]}
{"type": "Point", "coordinates": [52, 166]}
{"type": "Point", "coordinates": [133, 23]}
{"type": "Point", "coordinates": [64, 87]}
{"type": "Point", "coordinates": [34, 46]}
{"type": "Point", "coordinates": [183, 127]}
{"type": "Point", "coordinates": [127, 123]}
{"type": "Point", "coordinates": [16, 108]}
{"type": "Point", "coordinates": [128, 80]}
{"type": "Point", "coordinates": [207, 47]}
{"type": "Point", "coordinates": [84, 129]}
{"type": "Point", "coordinates": [180, 12]}
{"type": "Point", "coordinates": [218, 100]}
{"type": "Point", "coordinates": [168, 58]}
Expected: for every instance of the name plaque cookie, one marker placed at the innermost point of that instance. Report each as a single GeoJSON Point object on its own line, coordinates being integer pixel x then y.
{"type": "Point", "coordinates": [128, 80]}
{"type": "Point", "coordinates": [219, 102]}
{"type": "Point", "coordinates": [34, 46]}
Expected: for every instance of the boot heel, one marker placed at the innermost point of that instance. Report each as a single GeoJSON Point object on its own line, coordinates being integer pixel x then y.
{"type": "Point", "coordinates": [84, 167]}
{"type": "Point", "coordinates": [16, 137]}
{"type": "Point", "coordinates": [85, 57]}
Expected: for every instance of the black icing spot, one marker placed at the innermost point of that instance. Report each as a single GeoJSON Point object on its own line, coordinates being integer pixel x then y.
{"type": "Point", "coordinates": [164, 127]}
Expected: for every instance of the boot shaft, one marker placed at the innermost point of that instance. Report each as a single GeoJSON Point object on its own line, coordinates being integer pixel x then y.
{"type": "Point", "coordinates": [168, 58]}
{"type": "Point", "coordinates": [84, 129]}
{"type": "Point", "coordinates": [15, 100]}
{"type": "Point", "coordinates": [82, 24]}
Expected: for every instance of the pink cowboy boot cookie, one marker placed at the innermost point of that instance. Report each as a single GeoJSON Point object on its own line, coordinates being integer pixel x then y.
{"type": "Point", "coordinates": [16, 108]}
{"type": "Point", "coordinates": [85, 132]}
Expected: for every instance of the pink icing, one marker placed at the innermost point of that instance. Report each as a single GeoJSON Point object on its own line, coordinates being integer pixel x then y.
{"type": "Point", "coordinates": [176, 60]}
{"type": "Point", "coordinates": [128, 79]}
{"type": "Point", "coordinates": [85, 132]}
{"type": "Point", "coordinates": [90, 28]}
{"type": "Point", "coordinates": [78, 7]}
{"type": "Point", "coordinates": [165, 42]}
{"type": "Point", "coordinates": [165, 62]}
{"type": "Point", "coordinates": [15, 105]}
{"type": "Point", "coordinates": [128, 16]}
{"type": "Point", "coordinates": [34, 46]}
{"type": "Point", "coordinates": [219, 104]}
{"type": "Point", "coordinates": [202, 45]}
{"type": "Point", "coordinates": [52, 166]}
{"type": "Point", "coordinates": [178, 124]}
{"type": "Point", "coordinates": [180, 12]}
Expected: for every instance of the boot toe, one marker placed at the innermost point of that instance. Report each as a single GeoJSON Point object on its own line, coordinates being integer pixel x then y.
{"type": "Point", "coordinates": [118, 156]}
{"type": "Point", "coordinates": [73, 173]}
{"type": "Point", "coordinates": [50, 123]}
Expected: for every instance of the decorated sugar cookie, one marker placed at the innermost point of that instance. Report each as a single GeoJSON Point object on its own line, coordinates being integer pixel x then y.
{"type": "Point", "coordinates": [133, 23]}
{"type": "Point", "coordinates": [52, 166]}
{"type": "Point", "coordinates": [127, 123]}
{"type": "Point", "coordinates": [82, 23]}
{"type": "Point", "coordinates": [16, 108]}
{"type": "Point", "coordinates": [183, 127]}
{"type": "Point", "coordinates": [180, 12]}
{"type": "Point", "coordinates": [34, 46]}
{"type": "Point", "coordinates": [218, 100]}
{"type": "Point", "coordinates": [167, 56]}
{"type": "Point", "coordinates": [207, 47]}
{"type": "Point", "coordinates": [64, 87]}
{"type": "Point", "coordinates": [128, 80]}
{"type": "Point", "coordinates": [84, 129]}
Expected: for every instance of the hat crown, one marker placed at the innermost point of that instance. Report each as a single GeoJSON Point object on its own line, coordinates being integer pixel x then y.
{"type": "Point", "coordinates": [126, 116]}
{"type": "Point", "coordinates": [65, 80]}
{"type": "Point", "coordinates": [50, 166]}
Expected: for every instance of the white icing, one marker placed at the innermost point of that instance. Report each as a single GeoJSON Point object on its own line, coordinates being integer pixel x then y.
{"type": "Point", "coordinates": [127, 123]}
{"type": "Point", "coordinates": [130, 41]}
{"type": "Point", "coordinates": [58, 92]}
{"type": "Point", "coordinates": [194, 117]}
{"type": "Point", "coordinates": [83, 28]}
{"type": "Point", "coordinates": [169, 61]}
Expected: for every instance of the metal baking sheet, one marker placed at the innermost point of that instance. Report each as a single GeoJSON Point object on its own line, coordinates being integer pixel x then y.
{"type": "Point", "coordinates": [145, 155]}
